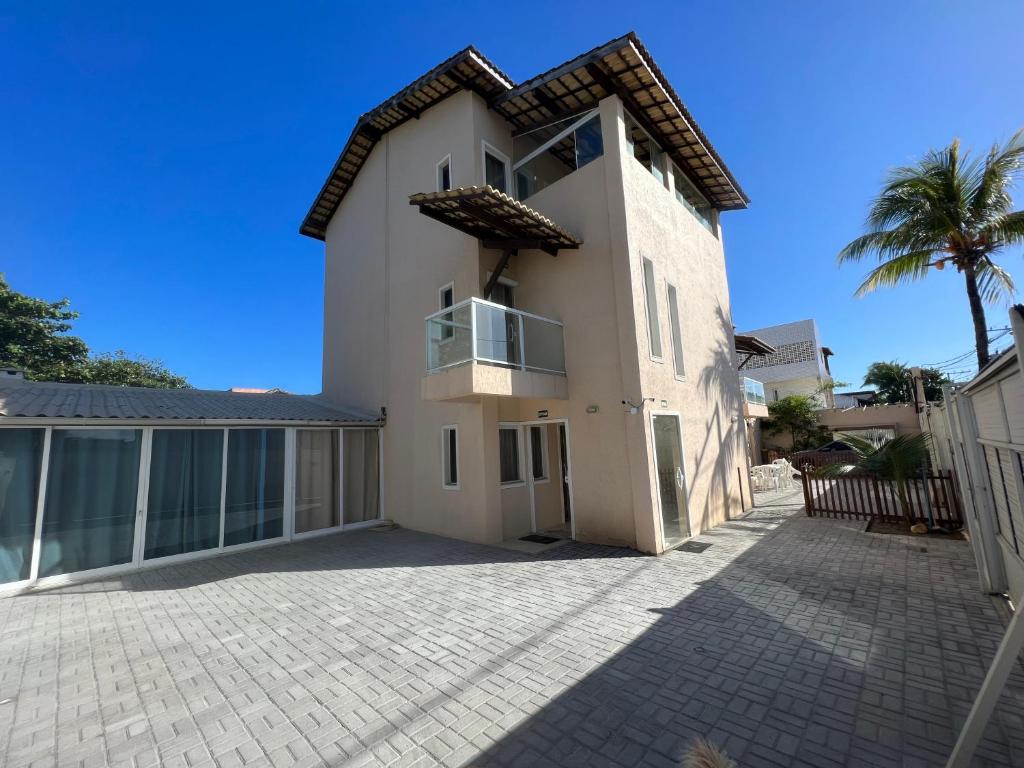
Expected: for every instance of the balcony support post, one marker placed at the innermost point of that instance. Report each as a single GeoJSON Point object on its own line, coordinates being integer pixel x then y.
{"type": "Point", "coordinates": [498, 269]}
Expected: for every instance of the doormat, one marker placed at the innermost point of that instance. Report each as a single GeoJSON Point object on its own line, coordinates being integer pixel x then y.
{"type": "Point", "coordinates": [693, 546]}
{"type": "Point", "coordinates": [538, 539]}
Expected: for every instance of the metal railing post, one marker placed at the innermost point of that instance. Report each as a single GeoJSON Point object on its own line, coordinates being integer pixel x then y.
{"type": "Point", "coordinates": [522, 344]}
{"type": "Point", "coordinates": [472, 325]}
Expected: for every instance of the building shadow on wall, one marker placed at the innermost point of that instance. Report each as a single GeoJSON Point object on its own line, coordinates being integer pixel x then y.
{"type": "Point", "coordinates": [724, 435]}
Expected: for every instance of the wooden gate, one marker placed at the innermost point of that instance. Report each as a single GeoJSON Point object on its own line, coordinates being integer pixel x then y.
{"type": "Point", "coordinates": [865, 497]}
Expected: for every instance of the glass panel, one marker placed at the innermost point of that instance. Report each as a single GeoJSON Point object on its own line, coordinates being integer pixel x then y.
{"type": "Point", "coordinates": [544, 345]}
{"type": "Point", "coordinates": [560, 158]}
{"type": "Point", "coordinates": [677, 336]}
{"type": "Point", "coordinates": [317, 481]}
{"type": "Point", "coordinates": [688, 195]}
{"type": "Point", "coordinates": [444, 176]}
{"type": "Point", "coordinates": [362, 475]}
{"type": "Point", "coordinates": [183, 513]}
{"type": "Point", "coordinates": [589, 142]}
{"type": "Point", "coordinates": [254, 507]}
{"type": "Point", "coordinates": [21, 459]}
{"type": "Point", "coordinates": [508, 451]}
{"type": "Point", "coordinates": [753, 391]}
{"type": "Point", "coordinates": [537, 441]}
{"type": "Point", "coordinates": [449, 338]}
{"type": "Point", "coordinates": [497, 333]}
{"type": "Point", "coordinates": [671, 490]}
{"type": "Point", "coordinates": [653, 327]}
{"type": "Point", "coordinates": [91, 496]}
{"type": "Point", "coordinates": [495, 172]}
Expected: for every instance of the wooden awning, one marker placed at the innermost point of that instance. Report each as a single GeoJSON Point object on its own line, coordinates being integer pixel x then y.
{"type": "Point", "coordinates": [467, 70]}
{"type": "Point", "coordinates": [494, 218]}
{"type": "Point", "coordinates": [751, 345]}
{"type": "Point", "coordinates": [624, 67]}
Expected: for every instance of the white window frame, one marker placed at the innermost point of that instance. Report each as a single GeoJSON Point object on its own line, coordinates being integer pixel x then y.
{"type": "Point", "coordinates": [675, 328]}
{"type": "Point", "coordinates": [446, 160]}
{"type": "Point", "coordinates": [545, 465]}
{"type": "Point", "coordinates": [446, 430]}
{"type": "Point", "coordinates": [520, 455]}
{"type": "Point", "coordinates": [653, 323]}
{"type": "Point", "coordinates": [488, 148]}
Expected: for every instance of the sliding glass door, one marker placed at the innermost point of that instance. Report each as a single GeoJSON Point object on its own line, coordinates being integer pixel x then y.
{"type": "Point", "coordinates": [21, 459]}
{"type": "Point", "coordinates": [361, 475]}
{"type": "Point", "coordinates": [91, 500]}
{"type": "Point", "coordinates": [317, 480]}
{"type": "Point", "coordinates": [183, 509]}
{"type": "Point", "coordinates": [254, 502]}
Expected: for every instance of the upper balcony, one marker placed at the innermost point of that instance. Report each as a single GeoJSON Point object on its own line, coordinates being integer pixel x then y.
{"type": "Point", "coordinates": [754, 404]}
{"type": "Point", "coordinates": [477, 347]}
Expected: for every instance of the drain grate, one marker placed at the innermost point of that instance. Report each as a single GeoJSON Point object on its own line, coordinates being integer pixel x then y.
{"type": "Point", "coordinates": [536, 538]}
{"type": "Point", "coordinates": [693, 546]}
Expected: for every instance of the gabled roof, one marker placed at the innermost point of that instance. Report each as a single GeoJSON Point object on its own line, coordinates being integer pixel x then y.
{"type": "Point", "coordinates": [622, 66]}
{"type": "Point", "coordinates": [50, 400]}
{"type": "Point", "coordinates": [468, 69]}
{"type": "Point", "coordinates": [494, 217]}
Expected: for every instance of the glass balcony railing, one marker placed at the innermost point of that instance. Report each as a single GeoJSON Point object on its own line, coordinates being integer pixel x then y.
{"type": "Point", "coordinates": [753, 391]}
{"type": "Point", "coordinates": [485, 332]}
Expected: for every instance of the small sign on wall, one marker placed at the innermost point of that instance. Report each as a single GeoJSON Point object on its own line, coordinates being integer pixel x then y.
{"type": "Point", "coordinates": [542, 414]}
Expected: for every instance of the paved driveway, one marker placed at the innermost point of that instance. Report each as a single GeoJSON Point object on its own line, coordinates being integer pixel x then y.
{"type": "Point", "coordinates": [791, 641]}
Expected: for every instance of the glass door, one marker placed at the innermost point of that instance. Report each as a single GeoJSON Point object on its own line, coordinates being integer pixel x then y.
{"type": "Point", "coordinates": [668, 455]}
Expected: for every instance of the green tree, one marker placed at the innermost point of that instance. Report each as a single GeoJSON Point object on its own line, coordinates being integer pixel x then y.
{"type": "Point", "coordinates": [123, 371]}
{"type": "Point", "coordinates": [948, 208]}
{"type": "Point", "coordinates": [796, 415]}
{"type": "Point", "coordinates": [895, 382]}
{"type": "Point", "coordinates": [899, 460]}
{"type": "Point", "coordinates": [34, 335]}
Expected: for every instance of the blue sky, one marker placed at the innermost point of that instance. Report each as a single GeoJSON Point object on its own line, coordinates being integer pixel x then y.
{"type": "Point", "coordinates": [155, 162]}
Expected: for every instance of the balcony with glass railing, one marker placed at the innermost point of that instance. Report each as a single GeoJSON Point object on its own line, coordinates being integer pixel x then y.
{"type": "Point", "coordinates": [754, 403]}
{"type": "Point", "coordinates": [479, 347]}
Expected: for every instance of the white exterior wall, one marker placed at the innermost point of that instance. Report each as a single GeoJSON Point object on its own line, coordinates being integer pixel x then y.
{"type": "Point", "coordinates": [797, 368]}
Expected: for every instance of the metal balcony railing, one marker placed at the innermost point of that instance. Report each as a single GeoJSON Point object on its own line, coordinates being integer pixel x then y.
{"type": "Point", "coordinates": [753, 391]}
{"type": "Point", "coordinates": [485, 332]}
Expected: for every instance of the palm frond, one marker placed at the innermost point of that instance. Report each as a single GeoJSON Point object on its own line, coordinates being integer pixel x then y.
{"type": "Point", "coordinates": [991, 193]}
{"type": "Point", "coordinates": [905, 268]}
{"type": "Point", "coordinates": [994, 282]}
{"type": "Point", "coordinates": [1006, 229]}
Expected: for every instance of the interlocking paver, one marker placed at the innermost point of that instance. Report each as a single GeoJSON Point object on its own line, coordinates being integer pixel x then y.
{"type": "Point", "coordinates": [791, 641]}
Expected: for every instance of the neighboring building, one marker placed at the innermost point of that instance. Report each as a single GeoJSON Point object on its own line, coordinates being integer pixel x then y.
{"type": "Point", "coordinates": [855, 399]}
{"type": "Point", "coordinates": [530, 280]}
{"type": "Point", "coordinates": [799, 365]}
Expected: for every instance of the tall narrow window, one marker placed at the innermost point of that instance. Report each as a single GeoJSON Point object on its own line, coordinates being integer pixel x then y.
{"type": "Point", "coordinates": [450, 457]}
{"type": "Point", "coordinates": [184, 491]}
{"type": "Point", "coordinates": [446, 297]}
{"type": "Point", "coordinates": [676, 328]}
{"type": "Point", "coordinates": [444, 174]}
{"type": "Point", "coordinates": [21, 458]}
{"type": "Point", "coordinates": [317, 480]}
{"type": "Point", "coordinates": [362, 475]}
{"type": "Point", "coordinates": [653, 330]}
{"type": "Point", "coordinates": [539, 452]}
{"type": "Point", "coordinates": [508, 451]}
{"type": "Point", "coordinates": [495, 169]}
{"type": "Point", "coordinates": [254, 506]}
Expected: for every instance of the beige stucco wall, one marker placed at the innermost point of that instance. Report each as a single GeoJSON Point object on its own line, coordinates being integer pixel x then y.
{"type": "Point", "coordinates": [903, 418]}
{"type": "Point", "coordinates": [385, 262]}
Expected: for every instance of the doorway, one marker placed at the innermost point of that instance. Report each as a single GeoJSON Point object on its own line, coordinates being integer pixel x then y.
{"type": "Point", "coordinates": [668, 466]}
{"type": "Point", "coordinates": [549, 478]}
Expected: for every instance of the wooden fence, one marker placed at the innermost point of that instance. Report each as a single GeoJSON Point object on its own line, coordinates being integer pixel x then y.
{"type": "Point", "coordinates": [865, 497]}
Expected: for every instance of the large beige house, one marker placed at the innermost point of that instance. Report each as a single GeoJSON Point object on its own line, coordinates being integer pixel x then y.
{"type": "Point", "coordinates": [529, 280]}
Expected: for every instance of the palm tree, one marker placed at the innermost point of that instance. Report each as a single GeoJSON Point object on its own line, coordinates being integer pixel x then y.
{"type": "Point", "coordinates": [899, 461]}
{"type": "Point", "coordinates": [947, 208]}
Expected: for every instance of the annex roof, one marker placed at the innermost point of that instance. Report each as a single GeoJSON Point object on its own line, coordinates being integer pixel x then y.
{"type": "Point", "coordinates": [622, 66]}
{"type": "Point", "coordinates": [468, 69]}
{"type": "Point", "coordinates": [495, 218]}
{"type": "Point", "coordinates": [50, 400]}
{"type": "Point", "coordinates": [747, 344]}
